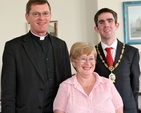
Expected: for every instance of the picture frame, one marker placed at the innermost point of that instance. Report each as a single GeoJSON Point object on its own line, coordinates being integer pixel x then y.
{"type": "Point", "coordinates": [132, 22]}
{"type": "Point", "coordinates": [140, 85]}
{"type": "Point", "coordinates": [52, 30]}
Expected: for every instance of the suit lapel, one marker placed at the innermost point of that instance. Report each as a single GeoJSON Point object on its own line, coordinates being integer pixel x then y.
{"type": "Point", "coordinates": [29, 48]}
{"type": "Point", "coordinates": [55, 52]}
{"type": "Point", "coordinates": [54, 46]}
{"type": "Point", "coordinates": [118, 51]}
{"type": "Point", "coordinates": [101, 52]}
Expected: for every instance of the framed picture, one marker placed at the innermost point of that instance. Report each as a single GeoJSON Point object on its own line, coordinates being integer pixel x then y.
{"type": "Point", "coordinates": [132, 22]}
{"type": "Point", "coordinates": [52, 30]}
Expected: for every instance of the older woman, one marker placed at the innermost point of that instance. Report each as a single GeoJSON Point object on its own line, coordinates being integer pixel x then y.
{"type": "Point", "coordinates": [86, 91]}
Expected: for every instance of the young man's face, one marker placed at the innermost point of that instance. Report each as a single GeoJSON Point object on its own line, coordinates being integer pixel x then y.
{"type": "Point", "coordinates": [106, 26]}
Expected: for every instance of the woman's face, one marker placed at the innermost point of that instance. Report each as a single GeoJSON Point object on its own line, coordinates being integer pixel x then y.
{"type": "Point", "coordinates": [85, 64]}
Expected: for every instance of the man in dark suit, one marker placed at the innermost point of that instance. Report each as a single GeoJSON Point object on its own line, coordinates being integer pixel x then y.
{"type": "Point", "coordinates": [34, 65]}
{"type": "Point", "coordinates": [125, 71]}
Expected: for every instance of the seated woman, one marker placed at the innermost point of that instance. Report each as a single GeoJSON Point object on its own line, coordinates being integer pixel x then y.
{"type": "Point", "coordinates": [86, 91]}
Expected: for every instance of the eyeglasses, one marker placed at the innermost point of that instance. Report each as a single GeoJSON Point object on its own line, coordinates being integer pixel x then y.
{"type": "Point", "coordinates": [38, 14]}
{"type": "Point", "coordinates": [83, 60]}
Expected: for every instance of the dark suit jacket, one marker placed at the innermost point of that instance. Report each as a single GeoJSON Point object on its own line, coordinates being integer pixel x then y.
{"type": "Point", "coordinates": [22, 80]}
{"type": "Point", "coordinates": [127, 75]}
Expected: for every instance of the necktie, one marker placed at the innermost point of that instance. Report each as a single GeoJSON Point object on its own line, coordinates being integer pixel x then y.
{"type": "Point", "coordinates": [109, 56]}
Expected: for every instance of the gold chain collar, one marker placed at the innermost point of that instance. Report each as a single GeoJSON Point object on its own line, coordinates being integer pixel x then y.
{"type": "Point", "coordinates": [111, 68]}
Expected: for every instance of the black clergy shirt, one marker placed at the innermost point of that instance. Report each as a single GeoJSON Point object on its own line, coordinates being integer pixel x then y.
{"type": "Point", "coordinates": [46, 61]}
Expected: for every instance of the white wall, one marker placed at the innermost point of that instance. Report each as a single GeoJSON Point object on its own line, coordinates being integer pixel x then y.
{"type": "Point", "coordinates": [75, 19]}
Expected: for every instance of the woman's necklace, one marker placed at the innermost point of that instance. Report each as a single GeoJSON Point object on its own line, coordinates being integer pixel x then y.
{"type": "Point", "coordinates": [111, 68]}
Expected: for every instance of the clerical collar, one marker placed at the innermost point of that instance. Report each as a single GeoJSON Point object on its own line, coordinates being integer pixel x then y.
{"type": "Point", "coordinates": [40, 37]}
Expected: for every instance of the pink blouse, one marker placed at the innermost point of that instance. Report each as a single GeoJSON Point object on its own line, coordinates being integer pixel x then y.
{"type": "Point", "coordinates": [103, 98]}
